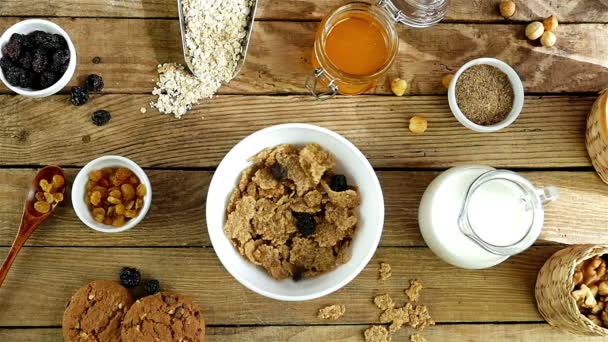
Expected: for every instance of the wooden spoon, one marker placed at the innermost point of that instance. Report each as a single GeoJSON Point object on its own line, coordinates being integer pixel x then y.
{"type": "Point", "coordinates": [31, 218]}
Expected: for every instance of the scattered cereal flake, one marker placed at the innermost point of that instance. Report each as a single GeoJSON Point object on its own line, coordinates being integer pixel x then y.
{"type": "Point", "coordinates": [384, 302]}
{"type": "Point", "coordinates": [396, 317]}
{"type": "Point", "coordinates": [420, 317]}
{"type": "Point", "coordinates": [413, 292]}
{"type": "Point", "coordinates": [377, 333]}
{"type": "Point", "coordinates": [332, 312]}
{"type": "Point", "coordinates": [385, 271]}
{"type": "Point", "coordinates": [143, 110]}
{"type": "Point", "coordinates": [417, 338]}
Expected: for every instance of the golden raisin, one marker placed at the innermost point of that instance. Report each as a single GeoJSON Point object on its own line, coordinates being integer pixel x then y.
{"type": "Point", "coordinates": [115, 181]}
{"type": "Point", "coordinates": [99, 218]}
{"type": "Point", "coordinates": [58, 197]}
{"type": "Point", "coordinates": [418, 124]}
{"type": "Point", "coordinates": [446, 80]}
{"type": "Point", "coordinates": [128, 192]}
{"type": "Point", "coordinates": [131, 213]}
{"type": "Point", "coordinates": [42, 207]}
{"type": "Point", "coordinates": [99, 211]}
{"type": "Point", "coordinates": [139, 203]}
{"type": "Point", "coordinates": [96, 175]}
{"type": "Point", "coordinates": [123, 174]}
{"type": "Point", "coordinates": [133, 179]}
{"type": "Point", "coordinates": [130, 204]}
{"type": "Point", "coordinates": [114, 200]}
{"type": "Point", "coordinates": [111, 210]}
{"type": "Point", "coordinates": [119, 209]}
{"type": "Point", "coordinates": [90, 185]}
{"type": "Point", "coordinates": [105, 182]}
{"type": "Point", "coordinates": [40, 196]}
{"type": "Point", "coordinates": [141, 191]}
{"type": "Point", "coordinates": [95, 198]}
{"type": "Point", "coordinates": [58, 181]}
{"type": "Point", "coordinates": [115, 194]}
{"type": "Point", "coordinates": [49, 198]}
{"type": "Point", "coordinates": [45, 186]}
{"type": "Point", "coordinates": [107, 220]}
{"type": "Point", "coordinates": [118, 221]}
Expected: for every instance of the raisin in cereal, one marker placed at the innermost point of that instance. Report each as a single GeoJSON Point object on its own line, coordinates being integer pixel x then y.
{"type": "Point", "coordinates": [286, 216]}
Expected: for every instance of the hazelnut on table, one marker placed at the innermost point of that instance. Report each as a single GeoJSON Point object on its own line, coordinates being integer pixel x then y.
{"type": "Point", "coordinates": [550, 23]}
{"type": "Point", "coordinates": [534, 30]}
{"type": "Point", "coordinates": [506, 8]}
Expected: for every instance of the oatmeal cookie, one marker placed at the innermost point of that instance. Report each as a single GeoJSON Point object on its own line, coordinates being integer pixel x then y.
{"type": "Point", "coordinates": [96, 311]}
{"type": "Point", "coordinates": [165, 316]}
{"type": "Point", "coordinates": [284, 216]}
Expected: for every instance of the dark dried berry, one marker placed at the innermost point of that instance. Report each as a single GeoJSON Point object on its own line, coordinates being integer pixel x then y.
{"type": "Point", "coordinates": [298, 273]}
{"type": "Point", "coordinates": [101, 117]}
{"type": "Point", "coordinates": [61, 57]}
{"type": "Point", "coordinates": [26, 60]}
{"type": "Point", "coordinates": [129, 277]}
{"type": "Point", "coordinates": [40, 63]}
{"type": "Point", "coordinates": [5, 64]}
{"type": "Point", "coordinates": [338, 183]}
{"type": "Point", "coordinates": [49, 41]}
{"type": "Point", "coordinates": [278, 171]}
{"type": "Point", "coordinates": [79, 96]}
{"type": "Point", "coordinates": [94, 83]}
{"type": "Point", "coordinates": [306, 223]}
{"type": "Point", "coordinates": [14, 47]}
{"type": "Point", "coordinates": [47, 79]}
{"type": "Point", "coordinates": [20, 77]}
{"type": "Point", "coordinates": [152, 286]}
{"type": "Point", "coordinates": [60, 69]}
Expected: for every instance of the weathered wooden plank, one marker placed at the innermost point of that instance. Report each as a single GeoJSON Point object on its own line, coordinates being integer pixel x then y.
{"type": "Point", "coordinates": [459, 10]}
{"type": "Point", "coordinates": [549, 133]}
{"type": "Point", "coordinates": [43, 279]}
{"type": "Point", "coordinates": [179, 220]}
{"type": "Point", "coordinates": [279, 55]}
{"type": "Point", "coordinates": [530, 332]}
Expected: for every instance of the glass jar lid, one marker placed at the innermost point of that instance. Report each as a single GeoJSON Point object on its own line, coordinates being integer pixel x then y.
{"type": "Point", "coordinates": [416, 13]}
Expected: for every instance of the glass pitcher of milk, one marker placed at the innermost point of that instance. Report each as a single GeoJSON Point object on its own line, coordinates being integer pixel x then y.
{"type": "Point", "coordinates": [476, 216]}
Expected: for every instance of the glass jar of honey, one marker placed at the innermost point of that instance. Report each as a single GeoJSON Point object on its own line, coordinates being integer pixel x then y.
{"type": "Point", "coordinates": [357, 43]}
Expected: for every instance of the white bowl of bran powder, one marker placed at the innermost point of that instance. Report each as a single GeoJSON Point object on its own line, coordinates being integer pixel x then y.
{"type": "Point", "coordinates": [485, 109]}
{"type": "Point", "coordinates": [349, 162]}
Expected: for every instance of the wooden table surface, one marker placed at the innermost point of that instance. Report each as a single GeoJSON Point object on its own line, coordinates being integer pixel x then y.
{"type": "Point", "coordinates": [130, 37]}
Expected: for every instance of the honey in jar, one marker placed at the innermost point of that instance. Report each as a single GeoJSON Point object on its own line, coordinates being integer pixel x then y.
{"type": "Point", "coordinates": [357, 43]}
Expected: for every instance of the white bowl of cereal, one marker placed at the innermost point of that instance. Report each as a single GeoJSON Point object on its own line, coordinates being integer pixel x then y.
{"type": "Point", "coordinates": [274, 249]}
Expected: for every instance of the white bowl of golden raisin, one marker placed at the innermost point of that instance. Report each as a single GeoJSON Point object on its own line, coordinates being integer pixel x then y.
{"type": "Point", "coordinates": [111, 194]}
{"type": "Point", "coordinates": [295, 212]}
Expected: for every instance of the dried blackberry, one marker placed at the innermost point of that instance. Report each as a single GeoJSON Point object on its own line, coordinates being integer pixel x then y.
{"type": "Point", "coordinates": [5, 64]}
{"type": "Point", "coordinates": [94, 83]}
{"type": "Point", "coordinates": [306, 223]}
{"type": "Point", "coordinates": [47, 79]}
{"type": "Point", "coordinates": [14, 46]}
{"type": "Point", "coordinates": [19, 77]}
{"type": "Point", "coordinates": [61, 57]}
{"type": "Point", "coordinates": [129, 277]}
{"type": "Point", "coordinates": [152, 286]}
{"type": "Point", "coordinates": [26, 60]}
{"type": "Point", "coordinates": [101, 117]}
{"type": "Point", "coordinates": [49, 41]}
{"type": "Point", "coordinates": [60, 69]}
{"type": "Point", "coordinates": [338, 183]}
{"type": "Point", "coordinates": [78, 96]}
{"type": "Point", "coordinates": [298, 273]}
{"type": "Point", "coordinates": [278, 171]}
{"type": "Point", "coordinates": [40, 62]}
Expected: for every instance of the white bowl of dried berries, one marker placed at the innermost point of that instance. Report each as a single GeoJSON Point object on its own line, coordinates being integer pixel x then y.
{"type": "Point", "coordinates": [37, 58]}
{"type": "Point", "coordinates": [350, 166]}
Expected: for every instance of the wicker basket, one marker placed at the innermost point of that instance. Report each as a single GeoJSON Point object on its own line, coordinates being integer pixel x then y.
{"type": "Point", "coordinates": [554, 285]}
{"type": "Point", "coordinates": [597, 136]}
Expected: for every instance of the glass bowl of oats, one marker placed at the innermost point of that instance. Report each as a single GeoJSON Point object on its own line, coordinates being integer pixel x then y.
{"type": "Point", "coordinates": [297, 212]}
